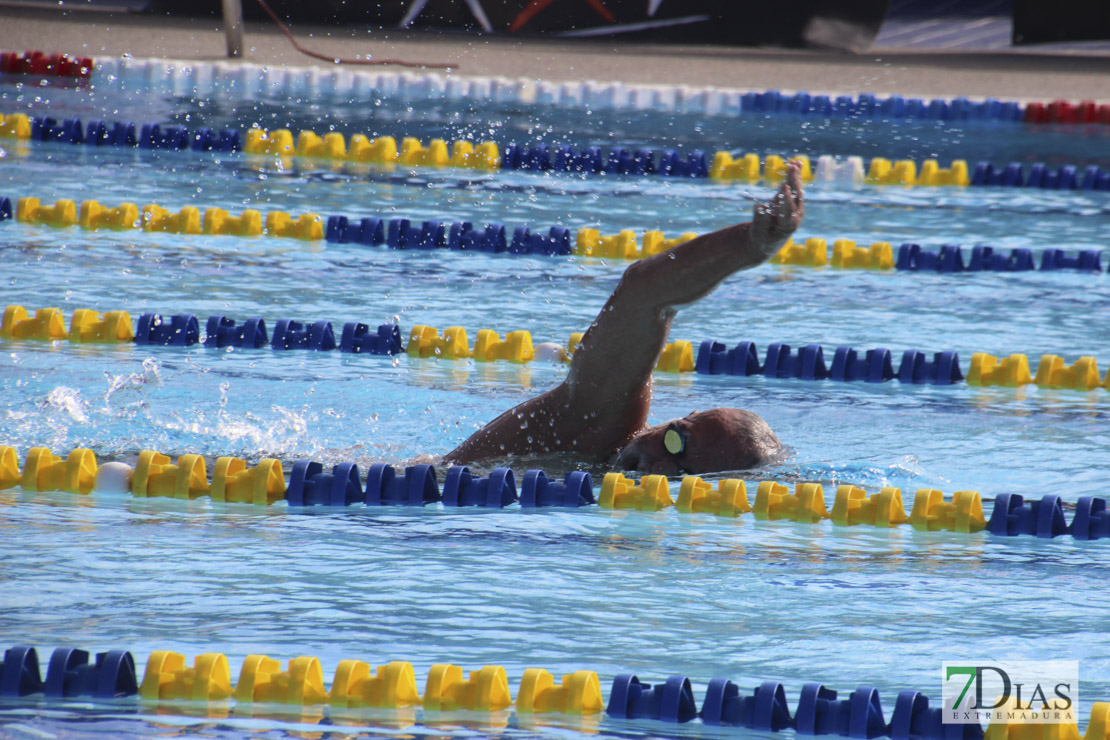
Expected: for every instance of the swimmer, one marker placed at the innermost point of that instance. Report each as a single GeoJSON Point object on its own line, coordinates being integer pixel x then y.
{"type": "Point", "coordinates": [599, 413]}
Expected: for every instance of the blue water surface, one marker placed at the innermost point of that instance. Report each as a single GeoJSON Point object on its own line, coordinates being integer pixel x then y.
{"type": "Point", "coordinates": [615, 592]}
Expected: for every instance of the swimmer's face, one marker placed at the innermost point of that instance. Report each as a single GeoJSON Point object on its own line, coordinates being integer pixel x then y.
{"type": "Point", "coordinates": [701, 442]}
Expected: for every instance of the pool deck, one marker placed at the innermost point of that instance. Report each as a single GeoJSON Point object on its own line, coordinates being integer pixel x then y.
{"type": "Point", "coordinates": [1024, 76]}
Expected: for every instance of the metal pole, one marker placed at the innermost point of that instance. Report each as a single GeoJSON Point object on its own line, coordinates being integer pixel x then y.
{"type": "Point", "coordinates": [233, 27]}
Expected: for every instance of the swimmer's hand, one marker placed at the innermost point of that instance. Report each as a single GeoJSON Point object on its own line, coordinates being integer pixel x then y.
{"type": "Point", "coordinates": [774, 221]}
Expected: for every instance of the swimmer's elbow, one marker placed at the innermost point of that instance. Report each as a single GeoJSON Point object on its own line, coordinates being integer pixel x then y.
{"type": "Point", "coordinates": [647, 286]}
{"type": "Point", "coordinates": [643, 285]}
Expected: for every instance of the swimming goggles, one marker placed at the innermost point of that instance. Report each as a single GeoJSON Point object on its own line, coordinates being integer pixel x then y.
{"type": "Point", "coordinates": [674, 440]}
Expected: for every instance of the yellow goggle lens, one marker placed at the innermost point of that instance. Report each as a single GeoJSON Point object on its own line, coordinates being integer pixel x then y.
{"type": "Point", "coordinates": [672, 440]}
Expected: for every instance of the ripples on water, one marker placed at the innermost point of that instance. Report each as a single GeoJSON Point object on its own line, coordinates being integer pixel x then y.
{"type": "Point", "coordinates": [611, 591]}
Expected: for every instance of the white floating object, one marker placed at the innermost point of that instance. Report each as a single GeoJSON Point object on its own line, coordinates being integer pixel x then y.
{"type": "Point", "coordinates": [548, 93]}
{"type": "Point", "coordinates": [113, 477]}
{"type": "Point", "coordinates": [572, 94]}
{"type": "Point", "coordinates": [549, 352]}
{"type": "Point", "coordinates": [826, 169]}
{"type": "Point", "coordinates": [850, 171]}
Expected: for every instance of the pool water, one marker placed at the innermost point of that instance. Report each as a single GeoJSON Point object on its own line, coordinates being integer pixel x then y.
{"type": "Point", "coordinates": [615, 592]}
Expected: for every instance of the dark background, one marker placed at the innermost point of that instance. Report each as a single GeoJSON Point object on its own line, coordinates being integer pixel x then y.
{"type": "Point", "coordinates": [831, 23]}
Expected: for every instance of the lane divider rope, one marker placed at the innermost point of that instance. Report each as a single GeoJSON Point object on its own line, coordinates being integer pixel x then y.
{"type": "Point", "coordinates": [678, 356]}
{"type": "Point", "coordinates": [251, 81]}
{"type": "Point", "coordinates": [310, 484]}
{"type": "Point", "coordinates": [819, 710]}
{"type": "Point", "coordinates": [245, 80]}
{"type": "Point", "coordinates": [487, 156]}
{"type": "Point", "coordinates": [494, 238]}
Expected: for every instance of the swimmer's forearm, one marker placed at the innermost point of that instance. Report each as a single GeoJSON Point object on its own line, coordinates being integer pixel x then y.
{"type": "Point", "coordinates": [692, 270]}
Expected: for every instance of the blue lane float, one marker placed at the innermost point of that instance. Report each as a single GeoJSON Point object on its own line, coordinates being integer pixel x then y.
{"type": "Point", "coordinates": [1091, 520]}
{"type": "Point", "coordinates": [310, 485]}
{"type": "Point", "coordinates": [418, 486]}
{"type": "Point", "coordinates": [950, 259]}
{"type": "Point", "coordinates": [537, 490]}
{"type": "Point", "coordinates": [1013, 515]}
{"type": "Point", "coordinates": [917, 368]}
{"type": "Point", "coordinates": [360, 339]}
{"type": "Point", "coordinates": [873, 366]}
{"type": "Point", "coordinates": [182, 330]}
{"type": "Point", "coordinates": [808, 363]}
{"type": "Point", "coordinates": [1066, 177]}
{"type": "Point", "coordinates": [858, 716]}
{"type": "Point", "coordinates": [820, 710]}
{"type": "Point", "coordinates": [220, 331]}
{"type": "Point", "coordinates": [70, 674]}
{"type": "Point", "coordinates": [618, 161]}
{"type": "Point", "coordinates": [557, 241]}
{"type": "Point", "coordinates": [867, 105]}
{"type": "Point", "coordinates": [5, 209]}
{"type": "Point", "coordinates": [714, 358]}
{"type": "Point", "coordinates": [342, 230]}
{"type": "Point", "coordinates": [766, 709]}
{"type": "Point", "coordinates": [625, 160]}
{"type": "Point", "coordinates": [671, 701]}
{"type": "Point", "coordinates": [19, 673]}
{"type": "Point", "coordinates": [914, 718]}
{"type": "Point", "coordinates": [289, 334]}
{"type": "Point", "coordinates": [1088, 260]}
{"type": "Point", "coordinates": [463, 488]}
{"type": "Point", "coordinates": [127, 134]}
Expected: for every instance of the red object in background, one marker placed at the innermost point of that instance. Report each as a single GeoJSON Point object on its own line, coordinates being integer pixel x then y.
{"type": "Point", "coordinates": [537, 5]}
{"type": "Point", "coordinates": [1034, 113]}
{"type": "Point", "coordinates": [38, 63]}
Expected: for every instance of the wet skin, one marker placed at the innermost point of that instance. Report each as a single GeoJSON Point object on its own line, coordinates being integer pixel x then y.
{"type": "Point", "coordinates": [601, 409]}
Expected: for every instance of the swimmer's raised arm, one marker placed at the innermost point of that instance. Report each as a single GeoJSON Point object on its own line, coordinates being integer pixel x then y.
{"type": "Point", "coordinates": [618, 353]}
{"type": "Point", "coordinates": [605, 399]}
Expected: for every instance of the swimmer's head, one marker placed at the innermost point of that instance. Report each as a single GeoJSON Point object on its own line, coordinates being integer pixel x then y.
{"type": "Point", "coordinates": [702, 442]}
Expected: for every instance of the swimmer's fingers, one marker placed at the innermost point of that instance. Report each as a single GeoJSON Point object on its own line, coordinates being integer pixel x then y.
{"type": "Point", "coordinates": [794, 181]}
{"type": "Point", "coordinates": [789, 197]}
